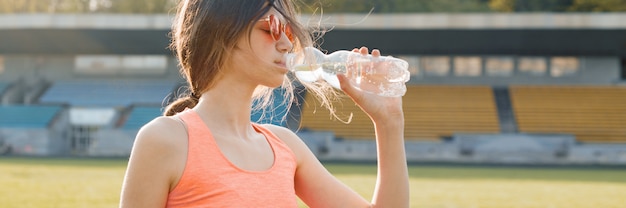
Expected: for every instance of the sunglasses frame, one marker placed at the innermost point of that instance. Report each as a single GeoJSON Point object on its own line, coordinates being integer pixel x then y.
{"type": "Point", "coordinates": [277, 28]}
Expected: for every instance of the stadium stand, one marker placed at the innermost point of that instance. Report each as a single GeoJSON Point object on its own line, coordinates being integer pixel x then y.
{"type": "Point", "coordinates": [23, 116]}
{"type": "Point", "coordinates": [431, 112]}
{"type": "Point", "coordinates": [33, 129]}
{"type": "Point", "coordinates": [3, 87]}
{"type": "Point", "coordinates": [275, 113]}
{"type": "Point", "coordinates": [107, 93]}
{"type": "Point", "coordinates": [316, 118]}
{"type": "Point", "coordinates": [141, 115]}
{"type": "Point", "coordinates": [591, 113]}
{"type": "Point", "coordinates": [496, 95]}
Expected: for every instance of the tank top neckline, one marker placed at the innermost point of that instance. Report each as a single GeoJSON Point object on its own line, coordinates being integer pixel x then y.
{"type": "Point", "coordinates": [201, 125]}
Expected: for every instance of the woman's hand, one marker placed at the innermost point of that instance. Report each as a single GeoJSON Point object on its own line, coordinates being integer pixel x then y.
{"type": "Point", "coordinates": [392, 186]}
{"type": "Point", "coordinates": [378, 108]}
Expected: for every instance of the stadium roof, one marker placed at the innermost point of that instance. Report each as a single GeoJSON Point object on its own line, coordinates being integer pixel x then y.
{"type": "Point", "coordinates": [340, 21]}
{"type": "Point", "coordinates": [500, 33]}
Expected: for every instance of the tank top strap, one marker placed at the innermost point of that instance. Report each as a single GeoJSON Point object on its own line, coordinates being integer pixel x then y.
{"type": "Point", "coordinates": [282, 152]}
{"type": "Point", "coordinates": [201, 144]}
{"type": "Point", "coordinates": [191, 119]}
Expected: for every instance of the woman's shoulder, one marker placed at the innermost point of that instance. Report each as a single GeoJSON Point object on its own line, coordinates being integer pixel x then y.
{"type": "Point", "coordinates": [163, 131]}
{"type": "Point", "coordinates": [164, 125]}
{"type": "Point", "coordinates": [159, 153]}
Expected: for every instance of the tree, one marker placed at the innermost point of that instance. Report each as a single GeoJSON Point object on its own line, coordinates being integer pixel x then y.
{"type": "Point", "coordinates": [325, 6]}
{"type": "Point", "coordinates": [502, 5]}
{"type": "Point", "coordinates": [445, 6]}
{"type": "Point", "coordinates": [84, 6]}
{"type": "Point", "coordinates": [23, 6]}
{"type": "Point", "coordinates": [140, 6]}
{"type": "Point", "coordinates": [530, 5]}
{"type": "Point", "coordinates": [335, 6]}
{"type": "Point", "coordinates": [69, 6]}
{"type": "Point", "coordinates": [394, 6]}
{"type": "Point", "coordinates": [598, 6]}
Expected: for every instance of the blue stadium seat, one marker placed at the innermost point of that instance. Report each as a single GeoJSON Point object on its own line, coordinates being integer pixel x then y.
{"type": "Point", "coordinates": [275, 113]}
{"type": "Point", "coordinates": [3, 87]}
{"type": "Point", "coordinates": [20, 116]}
{"type": "Point", "coordinates": [139, 116]}
{"type": "Point", "coordinates": [107, 93]}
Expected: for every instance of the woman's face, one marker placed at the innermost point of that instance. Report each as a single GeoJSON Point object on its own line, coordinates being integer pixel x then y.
{"type": "Point", "coordinates": [260, 58]}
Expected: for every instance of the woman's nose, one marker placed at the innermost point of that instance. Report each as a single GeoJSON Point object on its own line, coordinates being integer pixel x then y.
{"type": "Point", "coordinates": [284, 44]}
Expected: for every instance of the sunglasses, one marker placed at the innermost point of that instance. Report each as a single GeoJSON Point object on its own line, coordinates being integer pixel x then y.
{"type": "Point", "coordinates": [277, 28]}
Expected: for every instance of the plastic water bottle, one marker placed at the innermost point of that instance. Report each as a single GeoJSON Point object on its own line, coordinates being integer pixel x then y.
{"type": "Point", "coordinates": [384, 75]}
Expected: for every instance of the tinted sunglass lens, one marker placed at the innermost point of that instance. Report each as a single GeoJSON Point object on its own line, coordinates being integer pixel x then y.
{"type": "Point", "coordinates": [274, 27]}
{"type": "Point", "coordinates": [289, 33]}
{"type": "Point", "coordinates": [277, 28]}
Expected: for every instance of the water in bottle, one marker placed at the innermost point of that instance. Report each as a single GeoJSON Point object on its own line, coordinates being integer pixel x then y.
{"type": "Point", "coordinates": [384, 75]}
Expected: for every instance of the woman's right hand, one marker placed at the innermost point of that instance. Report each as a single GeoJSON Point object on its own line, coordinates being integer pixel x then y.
{"type": "Point", "coordinates": [378, 108]}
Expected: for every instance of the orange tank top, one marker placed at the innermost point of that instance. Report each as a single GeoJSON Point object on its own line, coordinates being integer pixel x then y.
{"type": "Point", "coordinates": [211, 180]}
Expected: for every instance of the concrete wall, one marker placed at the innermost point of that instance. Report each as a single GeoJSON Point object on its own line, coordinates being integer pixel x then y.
{"type": "Point", "coordinates": [471, 149]}
{"type": "Point", "coordinates": [62, 67]}
{"type": "Point", "coordinates": [32, 142]}
{"type": "Point", "coordinates": [112, 143]}
{"type": "Point", "coordinates": [477, 149]}
{"type": "Point", "coordinates": [48, 141]}
{"type": "Point", "coordinates": [594, 71]}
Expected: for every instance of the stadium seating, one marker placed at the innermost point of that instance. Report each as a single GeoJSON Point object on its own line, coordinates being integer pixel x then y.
{"type": "Point", "coordinates": [591, 113]}
{"type": "Point", "coordinates": [107, 93]}
{"type": "Point", "coordinates": [141, 115]}
{"type": "Point", "coordinates": [20, 116]}
{"type": "Point", "coordinates": [431, 113]}
{"type": "Point", "coordinates": [316, 118]}
{"type": "Point", "coordinates": [275, 112]}
{"type": "Point", "coordinates": [3, 87]}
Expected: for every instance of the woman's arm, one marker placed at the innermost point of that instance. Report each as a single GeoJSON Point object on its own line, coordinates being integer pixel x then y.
{"type": "Point", "coordinates": [392, 185]}
{"type": "Point", "coordinates": [155, 163]}
{"type": "Point", "coordinates": [314, 185]}
{"type": "Point", "coordinates": [318, 188]}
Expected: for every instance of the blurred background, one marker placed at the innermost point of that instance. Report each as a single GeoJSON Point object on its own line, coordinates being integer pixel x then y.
{"type": "Point", "coordinates": [531, 85]}
{"type": "Point", "coordinates": [493, 81]}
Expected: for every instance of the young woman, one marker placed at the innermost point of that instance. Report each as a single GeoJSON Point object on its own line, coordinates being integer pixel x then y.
{"type": "Point", "coordinates": [206, 152]}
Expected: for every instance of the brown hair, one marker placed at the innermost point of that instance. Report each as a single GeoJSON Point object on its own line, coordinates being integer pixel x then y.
{"type": "Point", "coordinates": [204, 33]}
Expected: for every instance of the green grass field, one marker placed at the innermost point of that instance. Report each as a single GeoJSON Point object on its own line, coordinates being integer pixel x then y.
{"type": "Point", "coordinates": [28, 182]}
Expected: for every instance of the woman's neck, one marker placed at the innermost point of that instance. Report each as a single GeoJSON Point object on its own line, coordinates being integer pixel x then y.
{"type": "Point", "coordinates": [226, 110]}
